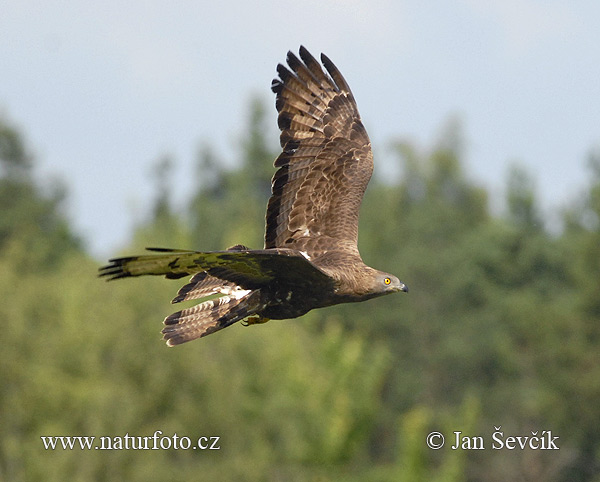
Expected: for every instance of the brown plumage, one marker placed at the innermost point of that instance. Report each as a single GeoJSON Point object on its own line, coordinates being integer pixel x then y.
{"type": "Point", "coordinates": [311, 258]}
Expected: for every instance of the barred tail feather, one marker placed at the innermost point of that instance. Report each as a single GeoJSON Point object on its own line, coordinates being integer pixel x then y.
{"type": "Point", "coordinates": [209, 316]}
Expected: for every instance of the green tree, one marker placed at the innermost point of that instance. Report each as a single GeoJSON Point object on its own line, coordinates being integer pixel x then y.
{"type": "Point", "coordinates": [166, 227]}
{"type": "Point", "coordinates": [209, 207]}
{"type": "Point", "coordinates": [229, 206]}
{"type": "Point", "coordinates": [29, 217]}
{"type": "Point", "coordinates": [522, 208]}
{"type": "Point", "coordinates": [501, 327]}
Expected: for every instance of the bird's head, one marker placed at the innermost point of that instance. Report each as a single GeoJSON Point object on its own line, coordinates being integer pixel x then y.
{"type": "Point", "coordinates": [384, 283]}
{"type": "Point", "coordinates": [391, 284]}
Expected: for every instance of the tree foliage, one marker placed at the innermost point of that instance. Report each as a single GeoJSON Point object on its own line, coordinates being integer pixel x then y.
{"type": "Point", "coordinates": [500, 328]}
{"type": "Point", "coordinates": [30, 217]}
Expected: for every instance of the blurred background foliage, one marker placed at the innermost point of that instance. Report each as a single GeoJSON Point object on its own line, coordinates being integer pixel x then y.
{"type": "Point", "coordinates": [501, 327]}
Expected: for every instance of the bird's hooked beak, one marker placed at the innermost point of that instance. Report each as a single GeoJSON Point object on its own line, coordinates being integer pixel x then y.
{"type": "Point", "coordinates": [400, 286]}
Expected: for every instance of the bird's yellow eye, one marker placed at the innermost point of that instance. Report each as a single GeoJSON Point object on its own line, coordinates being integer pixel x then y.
{"type": "Point", "coordinates": [387, 281]}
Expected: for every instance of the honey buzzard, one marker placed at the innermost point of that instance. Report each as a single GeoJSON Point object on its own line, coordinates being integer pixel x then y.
{"type": "Point", "coordinates": [310, 259]}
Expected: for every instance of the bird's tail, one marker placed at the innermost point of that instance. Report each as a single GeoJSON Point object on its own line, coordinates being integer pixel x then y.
{"type": "Point", "coordinates": [211, 315]}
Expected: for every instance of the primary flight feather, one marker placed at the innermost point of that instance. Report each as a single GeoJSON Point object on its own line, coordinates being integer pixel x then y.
{"type": "Point", "coordinates": [310, 259]}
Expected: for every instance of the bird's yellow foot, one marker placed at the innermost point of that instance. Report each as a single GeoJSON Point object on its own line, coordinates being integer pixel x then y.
{"type": "Point", "coordinates": [254, 320]}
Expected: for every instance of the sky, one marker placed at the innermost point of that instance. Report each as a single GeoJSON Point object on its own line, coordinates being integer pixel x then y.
{"type": "Point", "coordinates": [101, 90]}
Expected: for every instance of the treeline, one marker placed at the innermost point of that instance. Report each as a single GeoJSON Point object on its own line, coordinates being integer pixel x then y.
{"type": "Point", "coordinates": [501, 328]}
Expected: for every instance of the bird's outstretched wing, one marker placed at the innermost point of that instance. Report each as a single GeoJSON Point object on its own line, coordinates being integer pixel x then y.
{"type": "Point", "coordinates": [249, 269]}
{"type": "Point", "coordinates": [326, 161]}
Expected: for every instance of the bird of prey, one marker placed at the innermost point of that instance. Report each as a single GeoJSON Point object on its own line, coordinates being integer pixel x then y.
{"type": "Point", "coordinates": [310, 258]}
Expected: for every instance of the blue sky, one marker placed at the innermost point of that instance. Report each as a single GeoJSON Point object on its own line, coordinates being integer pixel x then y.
{"type": "Point", "coordinates": [102, 89]}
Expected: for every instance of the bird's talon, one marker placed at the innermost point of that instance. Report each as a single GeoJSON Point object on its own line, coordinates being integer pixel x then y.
{"type": "Point", "coordinates": [254, 320]}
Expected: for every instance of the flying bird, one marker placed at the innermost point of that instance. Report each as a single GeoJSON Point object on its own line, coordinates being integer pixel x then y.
{"type": "Point", "coordinates": [310, 258]}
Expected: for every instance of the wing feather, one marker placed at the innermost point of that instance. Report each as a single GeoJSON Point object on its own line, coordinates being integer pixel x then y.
{"type": "Point", "coordinates": [326, 161]}
{"type": "Point", "coordinates": [201, 285]}
{"type": "Point", "coordinates": [250, 269]}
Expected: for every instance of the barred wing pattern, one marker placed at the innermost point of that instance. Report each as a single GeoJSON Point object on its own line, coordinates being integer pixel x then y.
{"type": "Point", "coordinates": [311, 258]}
{"type": "Point", "coordinates": [326, 161]}
{"type": "Point", "coordinates": [242, 278]}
